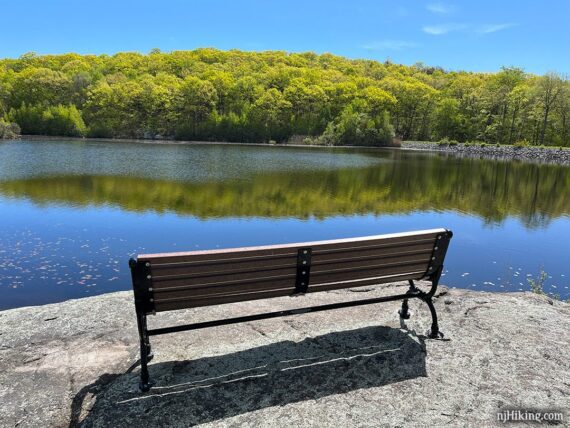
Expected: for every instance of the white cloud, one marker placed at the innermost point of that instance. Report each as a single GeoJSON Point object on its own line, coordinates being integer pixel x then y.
{"type": "Point", "coordinates": [438, 30]}
{"type": "Point", "coordinates": [439, 8]}
{"type": "Point", "coordinates": [394, 45]}
{"type": "Point", "coordinates": [493, 28]}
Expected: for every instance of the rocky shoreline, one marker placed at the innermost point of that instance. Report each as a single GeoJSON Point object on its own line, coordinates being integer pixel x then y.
{"type": "Point", "coordinates": [559, 156]}
{"type": "Point", "coordinates": [494, 151]}
{"type": "Point", "coordinates": [76, 363]}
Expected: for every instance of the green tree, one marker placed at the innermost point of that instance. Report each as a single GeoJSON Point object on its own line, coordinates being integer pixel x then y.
{"type": "Point", "coordinates": [63, 120]}
{"type": "Point", "coordinates": [195, 102]}
{"type": "Point", "coordinates": [356, 126]}
{"type": "Point", "coordinates": [448, 120]}
{"type": "Point", "coordinates": [550, 87]}
{"type": "Point", "coordinates": [260, 96]}
{"type": "Point", "coordinates": [270, 116]}
{"type": "Point", "coordinates": [40, 86]}
{"type": "Point", "coordinates": [307, 105]}
{"type": "Point", "coordinates": [415, 103]}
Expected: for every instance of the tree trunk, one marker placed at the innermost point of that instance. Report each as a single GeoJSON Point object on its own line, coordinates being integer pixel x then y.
{"type": "Point", "coordinates": [512, 130]}
{"type": "Point", "coordinates": [564, 128]}
{"type": "Point", "coordinates": [544, 122]}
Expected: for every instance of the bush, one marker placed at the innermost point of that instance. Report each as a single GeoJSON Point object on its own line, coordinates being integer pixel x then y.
{"type": "Point", "coordinates": [537, 285]}
{"type": "Point", "coordinates": [9, 130]}
{"type": "Point", "coordinates": [358, 129]}
{"type": "Point", "coordinates": [57, 120]}
{"type": "Point", "coordinates": [444, 142]}
{"type": "Point", "coordinates": [453, 142]}
{"type": "Point", "coordinates": [63, 120]}
{"type": "Point", "coordinates": [28, 118]}
{"type": "Point", "coordinates": [100, 131]}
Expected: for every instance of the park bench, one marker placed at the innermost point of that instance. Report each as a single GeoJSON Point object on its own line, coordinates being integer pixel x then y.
{"type": "Point", "coordinates": [171, 281]}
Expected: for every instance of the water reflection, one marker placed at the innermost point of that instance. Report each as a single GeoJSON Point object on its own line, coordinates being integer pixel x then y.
{"type": "Point", "coordinates": [72, 213]}
{"type": "Point", "coordinates": [409, 183]}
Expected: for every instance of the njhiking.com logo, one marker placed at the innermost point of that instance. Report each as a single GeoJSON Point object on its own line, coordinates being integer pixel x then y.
{"type": "Point", "coordinates": [528, 415]}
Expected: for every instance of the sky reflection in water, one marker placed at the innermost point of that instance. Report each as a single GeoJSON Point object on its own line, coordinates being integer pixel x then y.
{"type": "Point", "coordinates": [74, 212]}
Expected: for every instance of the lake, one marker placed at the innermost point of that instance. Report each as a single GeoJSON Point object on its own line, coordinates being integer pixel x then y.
{"type": "Point", "coordinates": [73, 212]}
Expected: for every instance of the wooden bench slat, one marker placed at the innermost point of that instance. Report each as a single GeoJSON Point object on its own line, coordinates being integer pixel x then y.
{"type": "Point", "coordinates": [362, 264]}
{"type": "Point", "coordinates": [271, 255]}
{"type": "Point", "coordinates": [237, 268]}
{"type": "Point", "coordinates": [192, 291]}
{"type": "Point", "coordinates": [223, 271]}
{"type": "Point", "coordinates": [400, 249]}
{"type": "Point", "coordinates": [223, 280]}
{"type": "Point", "coordinates": [270, 251]}
{"type": "Point", "coordinates": [388, 246]}
{"type": "Point", "coordinates": [326, 277]}
{"type": "Point", "coordinates": [209, 301]}
{"type": "Point", "coordinates": [205, 260]}
{"type": "Point", "coordinates": [246, 288]}
{"type": "Point", "coordinates": [359, 269]}
{"type": "Point", "coordinates": [367, 271]}
{"type": "Point", "coordinates": [352, 283]}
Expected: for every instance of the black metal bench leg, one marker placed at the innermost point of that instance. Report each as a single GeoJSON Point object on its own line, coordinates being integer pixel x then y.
{"type": "Point", "coordinates": [404, 312]}
{"type": "Point", "coordinates": [146, 355]}
{"type": "Point", "coordinates": [434, 332]}
{"type": "Point", "coordinates": [149, 353]}
{"type": "Point", "coordinates": [144, 384]}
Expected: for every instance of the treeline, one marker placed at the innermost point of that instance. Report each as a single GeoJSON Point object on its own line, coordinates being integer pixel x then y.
{"type": "Point", "coordinates": [208, 94]}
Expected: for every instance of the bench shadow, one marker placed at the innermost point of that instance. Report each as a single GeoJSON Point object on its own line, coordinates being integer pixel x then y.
{"type": "Point", "coordinates": [213, 388]}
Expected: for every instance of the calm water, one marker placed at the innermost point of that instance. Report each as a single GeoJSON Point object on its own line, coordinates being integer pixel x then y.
{"type": "Point", "coordinates": [72, 213]}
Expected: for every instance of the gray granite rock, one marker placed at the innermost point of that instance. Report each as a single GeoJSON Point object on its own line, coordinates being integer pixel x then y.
{"type": "Point", "coordinates": [494, 151]}
{"type": "Point", "coordinates": [75, 363]}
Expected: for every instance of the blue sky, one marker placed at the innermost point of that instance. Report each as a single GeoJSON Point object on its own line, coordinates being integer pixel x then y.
{"type": "Point", "coordinates": [473, 35]}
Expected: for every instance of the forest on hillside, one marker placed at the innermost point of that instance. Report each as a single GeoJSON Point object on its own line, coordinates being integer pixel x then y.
{"type": "Point", "coordinates": [213, 95]}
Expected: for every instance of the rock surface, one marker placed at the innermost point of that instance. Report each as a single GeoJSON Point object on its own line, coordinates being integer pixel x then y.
{"type": "Point", "coordinates": [75, 363]}
{"type": "Point", "coordinates": [494, 151]}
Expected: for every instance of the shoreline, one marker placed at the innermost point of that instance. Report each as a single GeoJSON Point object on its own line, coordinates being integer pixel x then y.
{"type": "Point", "coordinates": [531, 154]}
{"type": "Point", "coordinates": [198, 142]}
{"type": "Point", "coordinates": [541, 155]}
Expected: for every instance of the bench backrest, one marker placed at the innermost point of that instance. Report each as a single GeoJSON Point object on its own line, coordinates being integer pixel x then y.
{"type": "Point", "coordinates": [170, 281]}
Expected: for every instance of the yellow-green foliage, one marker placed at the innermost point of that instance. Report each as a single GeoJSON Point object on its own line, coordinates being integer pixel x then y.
{"type": "Point", "coordinates": [8, 130]}
{"type": "Point", "coordinates": [491, 190]}
{"type": "Point", "coordinates": [208, 94]}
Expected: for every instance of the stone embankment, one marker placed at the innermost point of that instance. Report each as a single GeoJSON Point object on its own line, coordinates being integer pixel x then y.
{"type": "Point", "coordinates": [493, 151]}
{"type": "Point", "coordinates": [75, 363]}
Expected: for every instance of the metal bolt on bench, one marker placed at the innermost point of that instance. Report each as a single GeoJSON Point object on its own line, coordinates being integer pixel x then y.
{"type": "Point", "coordinates": [172, 281]}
